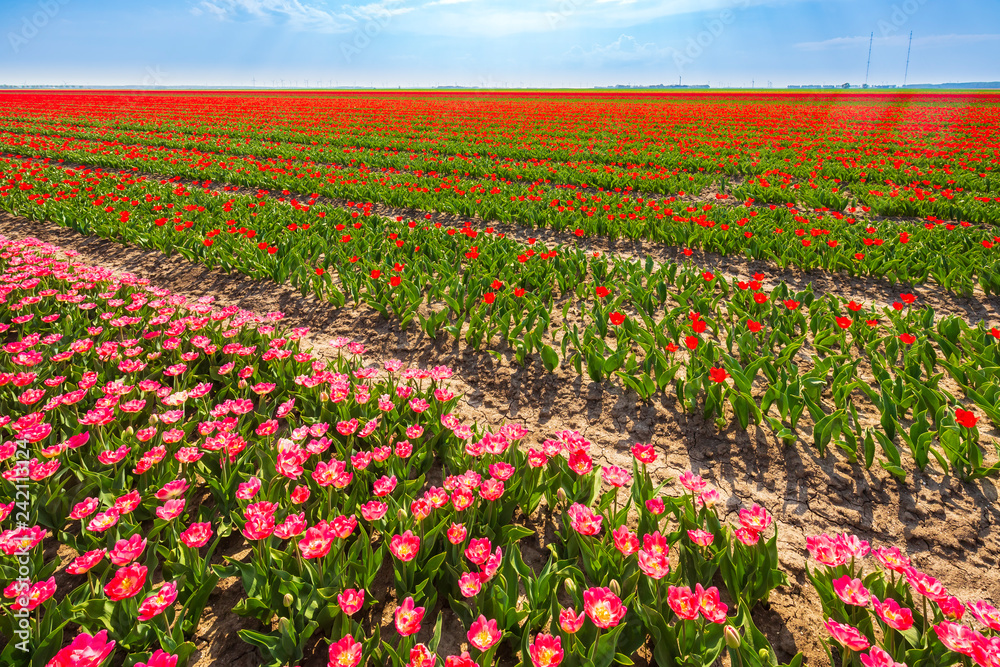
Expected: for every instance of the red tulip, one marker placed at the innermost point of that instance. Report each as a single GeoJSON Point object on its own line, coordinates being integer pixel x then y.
{"type": "Point", "coordinates": [718, 375]}
{"type": "Point", "coordinates": [966, 418]}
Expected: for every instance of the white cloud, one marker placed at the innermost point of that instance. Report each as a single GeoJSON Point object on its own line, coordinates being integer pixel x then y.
{"type": "Point", "coordinates": [501, 18]}
{"type": "Point", "coordinates": [386, 8]}
{"type": "Point", "coordinates": [300, 15]}
{"type": "Point", "coordinates": [625, 49]}
{"type": "Point", "coordinates": [296, 14]}
{"type": "Point", "coordinates": [466, 17]}
{"type": "Point", "coordinates": [438, 3]}
{"type": "Point", "coordinates": [894, 40]}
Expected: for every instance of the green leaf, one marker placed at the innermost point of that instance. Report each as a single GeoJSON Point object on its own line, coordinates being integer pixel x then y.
{"type": "Point", "coordinates": [514, 533]}
{"type": "Point", "coordinates": [605, 651]}
{"type": "Point", "coordinates": [550, 359]}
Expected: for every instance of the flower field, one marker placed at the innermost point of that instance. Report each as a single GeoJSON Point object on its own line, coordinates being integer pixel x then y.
{"type": "Point", "coordinates": [536, 379]}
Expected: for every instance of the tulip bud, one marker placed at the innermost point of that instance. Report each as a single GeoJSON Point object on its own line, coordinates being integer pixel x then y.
{"type": "Point", "coordinates": [732, 637]}
{"type": "Point", "coordinates": [570, 587]}
{"type": "Point", "coordinates": [615, 587]}
{"type": "Point", "coordinates": [288, 600]}
{"type": "Point", "coordinates": [401, 514]}
{"type": "Point", "coordinates": [283, 625]}
{"type": "Point", "coordinates": [763, 654]}
{"type": "Point", "coordinates": [561, 495]}
{"type": "Point", "coordinates": [324, 396]}
{"type": "Point", "coordinates": [130, 431]}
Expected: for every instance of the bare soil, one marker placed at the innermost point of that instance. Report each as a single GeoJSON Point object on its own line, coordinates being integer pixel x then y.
{"type": "Point", "coordinates": [947, 527]}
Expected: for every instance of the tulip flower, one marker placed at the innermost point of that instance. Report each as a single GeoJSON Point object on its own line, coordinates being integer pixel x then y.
{"type": "Point", "coordinates": [484, 634]}
{"type": "Point", "coordinates": [160, 658]}
{"type": "Point", "coordinates": [546, 651]}
{"type": "Point", "coordinates": [603, 607]}
{"type": "Point", "coordinates": [126, 583]}
{"type": "Point", "coordinates": [570, 621]}
{"type": "Point", "coordinates": [345, 653]}
{"type": "Point", "coordinates": [405, 546]}
{"type": "Point", "coordinates": [155, 604]}
{"type": "Point", "coordinates": [848, 636]}
{"type": "Point", "coordinates": [84, 651]}
{"type": "Point", "coordinates": [408, 618]}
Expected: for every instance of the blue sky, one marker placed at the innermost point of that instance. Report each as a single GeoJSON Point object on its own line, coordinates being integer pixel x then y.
{"type": "Point", "coordinates": [489, 43]}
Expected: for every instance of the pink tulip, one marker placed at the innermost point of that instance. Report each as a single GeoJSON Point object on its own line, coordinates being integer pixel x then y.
{"type": "Point", "coordinates": [84, 651]}
{"type": "Point", "coordinates": [484, 634]}
{"type": "Point", "coordinates": [847, 635]}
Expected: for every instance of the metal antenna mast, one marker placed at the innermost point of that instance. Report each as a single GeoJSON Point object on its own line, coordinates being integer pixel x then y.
{"type": "Point", "coordinates": [868, 69]}
{"type": "Point", "coordinates": [907, 71]}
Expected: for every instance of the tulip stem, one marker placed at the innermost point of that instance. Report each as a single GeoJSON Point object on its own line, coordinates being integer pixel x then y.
{"type": "Point", "coordinates": [927, 624]}
{"type": "Point", "coordinates": [739, 656]}
{"type": "Point", "coordinates": [208, 556]}
{"type": "Point", "coordinates": [167, 627]}
{"type": "Point", "coordinates": [593, 647]}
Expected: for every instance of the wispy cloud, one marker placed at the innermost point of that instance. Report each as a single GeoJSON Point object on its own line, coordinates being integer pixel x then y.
{"type": "Point", "coordinates": [302, 16]}
{"type": "Point", "coordinates": [625, 49]}
{"type": "Point", "coordinates": [437, 3]}
{"type": "Point", "coordinates": [295, 14]}
{"type": "Point", "coordinates": [467, 17]}
{"type": "Point", "coordinates": [381, 9]}
{"type": "Point", "coordinates": [895, 40]}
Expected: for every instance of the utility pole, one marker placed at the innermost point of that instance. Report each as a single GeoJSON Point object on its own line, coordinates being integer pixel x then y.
{"type": "Point", "coordinates": [907, 71]}
{"type": "Point", "coordinates": [868, 69]}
